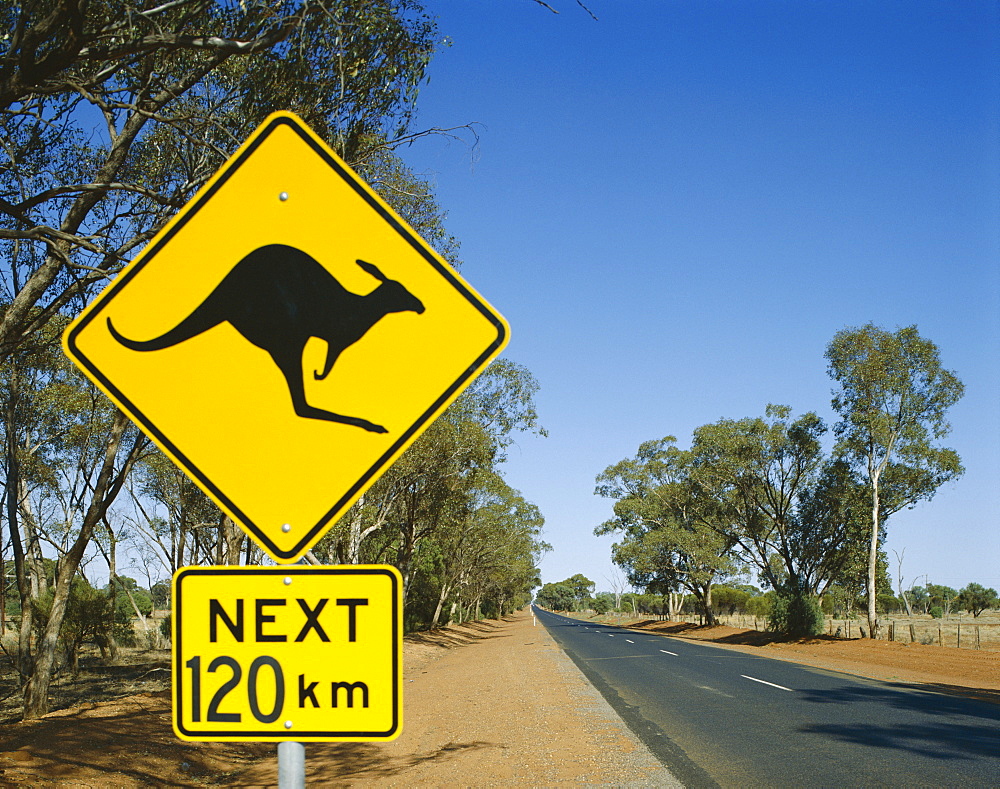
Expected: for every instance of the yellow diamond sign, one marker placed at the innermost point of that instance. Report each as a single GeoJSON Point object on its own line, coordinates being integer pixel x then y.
{"type": "Point", "coordinates": [285, 337]}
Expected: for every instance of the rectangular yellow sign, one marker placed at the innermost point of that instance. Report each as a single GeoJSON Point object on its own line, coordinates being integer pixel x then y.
{"type": "Point", "coordinates": [287, 653]}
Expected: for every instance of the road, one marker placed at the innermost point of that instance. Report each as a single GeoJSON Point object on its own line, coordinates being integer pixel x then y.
{"type": "Point", "coordinates": [718, 717]}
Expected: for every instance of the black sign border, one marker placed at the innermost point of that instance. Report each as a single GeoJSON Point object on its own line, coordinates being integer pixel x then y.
{"type": "Point", "coordinates": [284, 734]}
{"type": "Point", "coordinates": [382, 463]}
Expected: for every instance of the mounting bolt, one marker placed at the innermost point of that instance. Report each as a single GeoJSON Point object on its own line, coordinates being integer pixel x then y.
{"type": "Point", "coordinates": [286, 527]}
{"type": "Point", "coordinates": [283, 196]}
{"type": "Point", "coordinates": [288, 581]}
{"type": "Point", "coordinates": [288, 724]}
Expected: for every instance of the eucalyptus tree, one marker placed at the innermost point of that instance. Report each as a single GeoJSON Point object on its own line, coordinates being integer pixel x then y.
{"type": "Point", "coordinates": [68, 453]}
{"type": "Point", "coordinates": [761, 467]}
{"type": "Point", "coordinates": [976, 598]}
{"type": "Point", "coordinates": [430, 485]}
{"type": "Point", "coordinates": [37, 410]}
{"type": "Point", "coordinates": [490, 553]}
{"type": "Point", "coordinates": [116, 112]}
{"type": "Point", "coordinates": [893, 398]}
{"type": "Point", "coordinates": [674, 535]}
{"type": "Point", "coordinates": [504, 568]}
{"type": "Point", "coordinates": [113, 113]}
{"type": "Point", "coordinates": [556, 597]}
{"type": "Point", "coordinates": [177, 523]}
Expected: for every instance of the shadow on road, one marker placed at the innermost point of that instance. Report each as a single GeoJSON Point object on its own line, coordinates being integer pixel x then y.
{"type": "Point", "coordinates": [943, 742]}
{"type": "Point", "coordinates": [980, 736]}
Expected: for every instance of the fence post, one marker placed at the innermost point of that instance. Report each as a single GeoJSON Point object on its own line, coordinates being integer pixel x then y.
{"type": "Point", "coordinates": [960, 634]}
{"type": "Point", "coordinates": [977, 636]}
{"type": "Point", "coordinates": [940, 639]}
{"type": "Point", "coordinates": [913, 633]}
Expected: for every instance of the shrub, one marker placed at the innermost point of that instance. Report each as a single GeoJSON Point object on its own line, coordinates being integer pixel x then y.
{"type": "Point", "coordinates": [165, 626]}
{"type": "Point", "coordinates": [760, 605]}
{"type": "Point", "coordinates": [937, 612]}
{"type": "Point", "coordinates": [796, 614]}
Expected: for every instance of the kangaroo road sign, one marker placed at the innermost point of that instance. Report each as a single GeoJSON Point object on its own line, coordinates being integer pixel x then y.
{"type": "Point", "coordinates": [285, 337]}
{"type": "Point", "coordinates": [287, 653]}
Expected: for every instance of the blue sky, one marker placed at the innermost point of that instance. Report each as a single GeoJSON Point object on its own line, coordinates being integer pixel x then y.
{"type": "Point", "coordinates": [677, 206]}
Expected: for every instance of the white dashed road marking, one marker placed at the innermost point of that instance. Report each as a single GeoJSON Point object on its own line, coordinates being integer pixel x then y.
{"type": "Point", "coordinates": [762, 682]}
{"type": "Point", "coordinates": [669, 653]}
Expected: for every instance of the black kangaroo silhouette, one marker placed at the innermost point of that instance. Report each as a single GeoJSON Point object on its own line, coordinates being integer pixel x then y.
{"type": "Point", "coordinates": [278, 297]}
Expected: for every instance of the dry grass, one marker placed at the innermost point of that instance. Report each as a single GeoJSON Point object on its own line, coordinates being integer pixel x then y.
{"type": "Point", "coordinates": [964, 632]}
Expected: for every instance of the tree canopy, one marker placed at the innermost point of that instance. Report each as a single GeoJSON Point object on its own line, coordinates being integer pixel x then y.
{"type": "Point", "coordinates": [764, 493]}
{"type": "Point", "coordinates": [893, 399]}
{"type": "Point", "coordinates": [114, 113]}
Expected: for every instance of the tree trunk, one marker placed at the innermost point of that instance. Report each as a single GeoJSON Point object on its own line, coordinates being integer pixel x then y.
{"type": "Point", "coordinates": [445, 590]}
{"type": "Point", "coordinates": [706, 604]}
{"type": "Point", "coordinates": [107, 487]}
{"type": "Point", "coordinates": [404, 555]}
{"type": "Point", "coordinates": [27, 582]}
{"type": "Point", "coordinates": [872, 561]}
{"type": "Point", "coordinates": [231, 536]}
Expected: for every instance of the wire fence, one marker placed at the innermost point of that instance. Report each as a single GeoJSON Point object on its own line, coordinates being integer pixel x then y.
{"type": "Point", "coordinates": [950, 631]}
{"type": "Point", "coordinates": [956, 632]}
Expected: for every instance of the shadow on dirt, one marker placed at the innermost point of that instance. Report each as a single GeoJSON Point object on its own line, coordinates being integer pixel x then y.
{"type": "Point", "coordinates": [112, 724]}
{"type": "Point", "coordinates": [95, 682]}
{"type": "Point", "coordinates": [457, 635]}
{"type": "Point", "coordinates": [345, 764]}
{"type": "Point", "coordinates": [102, 739]}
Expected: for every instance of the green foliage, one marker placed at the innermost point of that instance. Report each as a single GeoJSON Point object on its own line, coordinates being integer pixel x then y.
{"type": "Point", "coordinates": [730, 600]}
{"type": "Point", "coordinates": [166, 625]}
{"type": "Point", "coordinates": [943, 597]}
{"type": "Point", "coordinates": [796, 613]}
{"type": "Point", "coordinates": [557, 597]}
{"type": "Point", "coordinates": [759, 469]}
{"type": "Point", "coordinates": [839, 601]}
{"type": "Point", "coordinates": [936, 612]}
{"type": "Point", "coordinates": [892, 400]}
{"type": "Point", "coordinates": [669, 520]}
{"type": "Point", "coordinates": [160, 594]}
{"type": "Point", "coordinates": [115, 114]}
{"type": "Point", "coordinates": [88, 617]}
{"type": "Point", "coordinates": [761, 605]}
{"type": "Point", "coordinates": [975, 598]}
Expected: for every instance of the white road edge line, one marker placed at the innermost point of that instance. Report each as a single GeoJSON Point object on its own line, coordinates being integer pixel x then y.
{"type": "Point", "coordinates": [669, 653]}
{"type": "Point", "coordinates": [762, 682]}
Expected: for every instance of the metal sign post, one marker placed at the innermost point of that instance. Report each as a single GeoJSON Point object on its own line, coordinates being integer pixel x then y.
{"type": "Point", "coordinates": [291, 765]}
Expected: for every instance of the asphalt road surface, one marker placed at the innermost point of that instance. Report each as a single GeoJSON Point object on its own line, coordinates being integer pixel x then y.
{"type": "Point", "coordinates": [718, 717]}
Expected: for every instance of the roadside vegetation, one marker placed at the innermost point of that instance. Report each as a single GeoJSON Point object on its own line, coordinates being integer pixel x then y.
{"type": "Point", "coordinates": [114, 114]}
{"type": "Point", "coordinates": [750, 603]}
{"type": "Point", "coordinates": [764, 494]}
